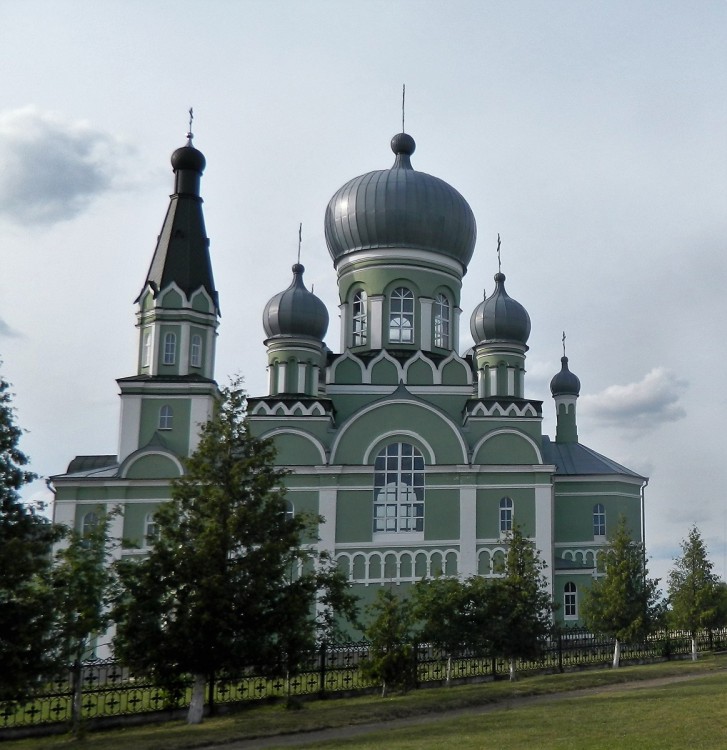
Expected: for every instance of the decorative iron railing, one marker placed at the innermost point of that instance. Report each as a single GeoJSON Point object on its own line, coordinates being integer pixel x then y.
{"type": "Point", "coordinates": [111, 690]}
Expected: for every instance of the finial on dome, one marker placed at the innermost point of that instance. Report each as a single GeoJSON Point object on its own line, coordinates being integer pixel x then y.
{"type": "Point", "coordinates": [190, 135]}
{"type": "Point", "coordinates": [300, 239]}
{"type": "Point", "coordinates": [563, 343]}
{"type": "Point", "coordinates": [403, 106]}
{"type": "Point", "coordinates": [499, 263]}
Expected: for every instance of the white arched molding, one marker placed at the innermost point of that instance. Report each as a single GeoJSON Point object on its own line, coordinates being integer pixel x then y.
{"type": "Point", "coordinates": [508, 431]}
{"type": "Point", "coordinates": [346, 357]}
{"type": "Point", "coordinates": [419, 404]}
{"type": "Point", "coordinates": [431, 459]}
{"type": "Point", "coordinates": [297, 433]}
{"type": "Point", "coordinates": [381, 357]}
{"type": "Point", "coordinates": [130, 460]}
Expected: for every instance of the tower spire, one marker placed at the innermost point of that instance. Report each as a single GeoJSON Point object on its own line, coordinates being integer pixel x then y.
{"type": "Point", "coordinates": [190, 134]}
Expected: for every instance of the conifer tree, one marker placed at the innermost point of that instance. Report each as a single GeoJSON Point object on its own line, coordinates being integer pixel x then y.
{"type": "Point", "coordinates": [28, 650]}
{"type": "Point", "coordinates": [232, 580]}
{"type": "Point", "coordinates": [692, 588]}
{"type": "Point", "coordinates": [622, 603]}
{"type": "Point", "coordinates": [520, 604]}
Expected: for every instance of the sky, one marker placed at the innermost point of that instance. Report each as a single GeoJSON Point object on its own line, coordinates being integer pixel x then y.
{"type": "Point", "coordinates": [592, 136]}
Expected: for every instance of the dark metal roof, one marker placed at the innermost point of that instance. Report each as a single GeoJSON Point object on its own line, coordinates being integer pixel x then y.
{"type": "Point", "coordinates": [182, 251]}
{"type": "Point", "coordinates": [499, 317]}
{"type": "Point", "coordinates": [91, 463]}
{"type": "Point", "coordinates": [400, 208]}
{"type": "Point", "coordinates": [575, 459]}
{"type": "Point", "coordinates": [189, 378]}
{"type": "Point", "coordinates": [296, 311]}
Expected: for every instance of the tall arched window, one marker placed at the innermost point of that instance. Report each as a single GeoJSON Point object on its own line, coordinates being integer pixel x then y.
{"type": "Point", "coordinates": [170, 348]}
{"type": "Point", "coordinates": [359, 319]}
{"type": "Point", "coordinates": [599, 520]}
{"type": "Point", "coordinates": [146, 350]}
{"type": "Point", "coordinates": [506, 508]}
{"type": "Point", "coordinates": [195, 351]}
{"type": "Point", "coordinates": [399, 489]}
{"type": "Point", "coordinates": [166, 417]}
{"type": "Point", "coordinates": [442, 322]}
{"type": "Point", "coordinates": [151, 530]}
{"type": "Point", "coordinates": [401, 316]}
{"type": "Point", "coordinates": [570, 601]}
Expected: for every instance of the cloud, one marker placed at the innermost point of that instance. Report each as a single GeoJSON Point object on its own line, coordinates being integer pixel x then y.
{"type": "Point", "coordinates": [52, 168]}
{"type": "Point", "coordinates": [639, 406]}
{"type": "Point", "coordinates": [7, 332]}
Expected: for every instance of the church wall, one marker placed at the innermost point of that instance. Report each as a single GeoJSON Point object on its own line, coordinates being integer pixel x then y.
{"type": "Point", "coordinates": [488, 510]}
{"type": "Point", "coordinates": [176, 439]}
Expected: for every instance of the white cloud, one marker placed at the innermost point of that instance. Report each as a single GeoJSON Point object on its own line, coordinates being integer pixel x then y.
{"type": "Point", "coordinates": [52, 168]}
{"type": "Point", "coordinates": [6, 331]}
{"type": "Point", "coordinates": [639, 406]}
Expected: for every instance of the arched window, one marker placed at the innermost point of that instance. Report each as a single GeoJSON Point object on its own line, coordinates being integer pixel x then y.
{"type": "Point", "coordinates": [170, 348]}
{"type": "Point", "coordinates": [442, 322]}
{"type": "Point", "coordinates": [146, 350]}
{"type": "Point", "coordinates": [570, 601]}
{"type": "Point", "coordinates": [399, 489]}
{"type": "Point", "coordinates": [289, 511]}
{"type": "Point", "coordinates": [89, 523]}
{"type": "Point", "coordinates": [195, 351]}
{"type": "Point", "coordinates": [506, 507]}
{"type": "Point", "coordinates": [359, 319]}
{"type": "Point", "coordinates": [599, 520]}
{"type": "Point", "coordinates": [151, 530]}
{"type": "Point", "coordinates": [166, 417]}
{"type": "Point", "coordinates": [401, 316]}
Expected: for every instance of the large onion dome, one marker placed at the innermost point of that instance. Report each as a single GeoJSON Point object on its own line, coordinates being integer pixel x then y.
{"type": "Point", "coordinates": [500, 317]}
{"type": "Point", "coordinates": [296, 311]}
{"type": "Point", "coordinates": [400, 208]}
{"type": "Point", "coordinates": [188, 157]}
{"type": "Point", "coordinates": [565, 383]}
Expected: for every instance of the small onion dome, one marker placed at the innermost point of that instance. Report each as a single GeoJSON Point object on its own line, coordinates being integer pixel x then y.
{"type": "Point", "coordinates": [188, 157]}
{"type": "Point", "coordinates": [296, 311]}
{"type": "Point", "coordinates": [500, 317]}
{"type": "Point", "coordinates": [400, 208]}
{"type": "Point", "coordinates": [565, 383]}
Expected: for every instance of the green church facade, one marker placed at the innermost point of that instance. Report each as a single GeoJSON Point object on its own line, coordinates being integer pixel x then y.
{"type": "Point", "coordinates": [418, 458]}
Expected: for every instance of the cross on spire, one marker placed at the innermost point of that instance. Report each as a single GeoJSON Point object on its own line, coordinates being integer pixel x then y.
{"type": "Point", "coordinates": [190, 135]}
{"type": "Point", "coordinates": [563, 339]}
{"type": "Point", "coordinates": [403, 106]}
{"type": "Point", "coordinates": [499, 264]}
{"type": "Point", "coordinates": [300, 239]}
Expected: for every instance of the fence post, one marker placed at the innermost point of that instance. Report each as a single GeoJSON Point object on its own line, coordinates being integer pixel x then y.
{"type": "Point", "coordinates": [560, 650]}
{"type": "Point", "coordinates": [415, 659]}
{"type": "Point", "coordinates": [322, 669]}
{"type": "Point", "coordinates": [211, 694]}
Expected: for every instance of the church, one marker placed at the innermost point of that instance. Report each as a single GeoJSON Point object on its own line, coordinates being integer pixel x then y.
{"type": "Point", "coordinates": [419, 458]}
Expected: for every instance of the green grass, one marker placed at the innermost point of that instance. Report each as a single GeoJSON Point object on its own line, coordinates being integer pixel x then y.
{"type": "Point", "coordinates": [696, 710]}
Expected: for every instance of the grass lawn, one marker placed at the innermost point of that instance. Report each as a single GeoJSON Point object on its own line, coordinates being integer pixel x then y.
{"type": "Point", "coordinates": [689, 715]}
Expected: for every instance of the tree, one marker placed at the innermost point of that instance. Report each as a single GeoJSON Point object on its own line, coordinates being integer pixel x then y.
{"type": "Point", "coordinates": [623, 603]}
{"type": "Point", "coordinates": [232, 579]}
{"type": "Point", "coordinates": [454, 615]}
{"type": "Point", "coordinates": [521, 607]}
{"type": "Point", "coordinates": [27, 637]}
{"type": "Point", "coordinates": [692, 588]}
{"type": "Point", "coordinates": [82, 578]}
{"type": "Point", "coordinates": [391, 642]}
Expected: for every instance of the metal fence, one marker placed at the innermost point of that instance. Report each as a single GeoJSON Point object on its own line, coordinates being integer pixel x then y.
{"type": "Point", "coordinates": [111, 690]}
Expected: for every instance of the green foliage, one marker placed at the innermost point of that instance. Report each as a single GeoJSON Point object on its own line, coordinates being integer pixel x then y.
{"type": "Point", "coordinates": [692, 586]}
{"type": "Point", "coordinates": [27, 638]}
{"type": "Point", "coordinates": [623, 602]}
{"type": "Point", "coordinates": [82, 577]}
{"type": "Point", "coordinates": [390, 633]}
{"type": "Point", "coordinates": [521, 607]}
{"type": "Point", "coordinates": [231, 580]}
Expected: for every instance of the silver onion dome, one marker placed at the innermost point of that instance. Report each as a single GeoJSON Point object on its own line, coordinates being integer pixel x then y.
{"type": "Point", "coordinates": [500, 317]}
{"type": "Point", "coordinates": [296, 311]}
{"type": "Point", "coordinates": [565, 383]}
{"type": "Point", "coordinates": [400, 208]}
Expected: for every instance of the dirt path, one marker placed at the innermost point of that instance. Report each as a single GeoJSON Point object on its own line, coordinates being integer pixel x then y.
{"type": "Point", "coordinates": [311, 739]}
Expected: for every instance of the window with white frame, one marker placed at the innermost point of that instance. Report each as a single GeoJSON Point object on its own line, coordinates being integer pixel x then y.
{"type": "Point", "coordinates": [359, 319]}
{"type": "Point", "coordinates": [506, 509]}
{"type": "Point", "coordinates": [166, 417]}
{"type": "Point", "coordinates": [89, 523]}
{"type": "Point", "coordinates": [151, 530]}
{"type": "Point", "coordinates": [146, 350]}
{"type": "Point", "coordinates": [289, 511]}
{"type": "Point", "coordinates": [401, 316]}
{"type": "Point", "coordinates": [399, 489]}
{"type": "Point", "coordinates": [442, 321]}
{"type": "Point", "coordinates": [170, 348]}
{"type": "Point", "coordinates": [195, 351]}
{"type": "Point", "coordinates": [570, 601]}
{"type": "Point", "coordinates": [599, 520]}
